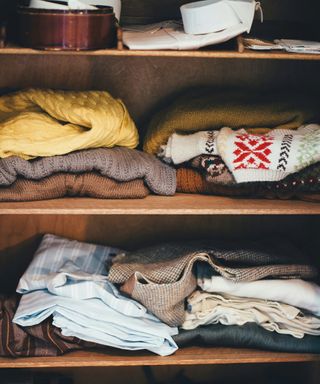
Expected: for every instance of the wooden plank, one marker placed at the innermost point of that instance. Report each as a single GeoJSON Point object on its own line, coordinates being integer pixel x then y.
{"type": "Point", "coordinates": [214, 54]}
{"type": "Point", "coordinates": [180, 204]}
{"type": "Point", "coordinates": [186, 356]}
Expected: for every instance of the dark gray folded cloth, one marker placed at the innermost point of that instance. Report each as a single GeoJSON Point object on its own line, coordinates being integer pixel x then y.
{"type": "Point", "coordinates": [246, 336]}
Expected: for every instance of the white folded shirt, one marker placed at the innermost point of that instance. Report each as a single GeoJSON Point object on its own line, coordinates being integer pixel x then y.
{"type": "Point", "coordinates": [296, 292]}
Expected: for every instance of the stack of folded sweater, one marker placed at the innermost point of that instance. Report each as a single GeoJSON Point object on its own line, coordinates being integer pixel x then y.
{"type": "Point", "coordinates": [255, 294]}
{"type": "Point", "coordinates": [58, 143]}
{"type": "Point", "coordinates": [235, 144]}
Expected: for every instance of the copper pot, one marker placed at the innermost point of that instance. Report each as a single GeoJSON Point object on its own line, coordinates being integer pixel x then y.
{"type": "Point", "coordinates": [67, 29]}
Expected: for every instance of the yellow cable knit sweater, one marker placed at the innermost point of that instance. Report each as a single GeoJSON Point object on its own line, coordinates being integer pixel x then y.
{"type": "Point", "coordinates": [46, 123]}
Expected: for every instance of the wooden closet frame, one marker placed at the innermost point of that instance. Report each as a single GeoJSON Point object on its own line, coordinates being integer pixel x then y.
{"type": "Point", "coordinates": [132, 222]}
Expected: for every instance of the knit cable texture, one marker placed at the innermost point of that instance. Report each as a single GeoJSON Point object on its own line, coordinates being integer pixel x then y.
{"type": "Point", "coordinates": [39, 122]}
{"type": "Point", "coordinates": [120, 164]}
{"type": "Point", "coordinates": [64, 184]}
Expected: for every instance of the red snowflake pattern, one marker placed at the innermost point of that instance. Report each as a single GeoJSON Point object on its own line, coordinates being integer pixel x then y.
{"type": "Point", "coordinates": [252, 152]}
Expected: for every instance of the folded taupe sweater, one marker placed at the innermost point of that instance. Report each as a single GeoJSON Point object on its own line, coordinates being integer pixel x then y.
{"type": "Point", "coordinates": [161, 277]}
{"type": "Point", "coordinates": [65, 184]}
{"type": "Point", "coordinates": [120, 164]}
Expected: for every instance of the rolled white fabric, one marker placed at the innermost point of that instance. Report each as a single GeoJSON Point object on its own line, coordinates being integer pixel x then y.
{"type": "Point", "coordinates": [208, 16]}
{"type": "Point", "coordinates": [115, 4]}
{"type": "Point", "coordinates": [41, 4]}
{"type": "Point", "coordinates": [211, 16]}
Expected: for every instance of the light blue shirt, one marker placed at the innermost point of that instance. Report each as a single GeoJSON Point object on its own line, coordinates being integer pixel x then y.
{"type": "Point", "coordinates": [67, 279]}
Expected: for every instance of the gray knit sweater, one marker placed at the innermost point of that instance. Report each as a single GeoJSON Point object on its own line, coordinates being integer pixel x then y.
{"type": "Point", "coordinates": [120, 164]}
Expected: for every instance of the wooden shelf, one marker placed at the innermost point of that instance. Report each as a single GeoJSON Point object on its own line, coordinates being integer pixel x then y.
{"type": "Point", "coordinates": [185, 356]}
{"type": "Point", "coordinates": [180, 204]}
{"type": "Point", "coordinates": [225, 54]}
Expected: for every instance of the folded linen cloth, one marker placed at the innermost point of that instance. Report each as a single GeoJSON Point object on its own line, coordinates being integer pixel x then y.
{"type": "Point", "coordinates": [269, 157]}
{"type": "Point", "coordinates": [60, 185]}
{"type": "Point", "coordinates": [40, 340]}
{"type": "Point", "coordinates": [299, 293]}
{"type": "Point", "coordinates": [209, 308]}
{"type": "Point", "coordinates": [207, 109]}
{"type": "Point", "coordinates": [40, 122]}
{"type": "Point", "coordinates": [120, 164]}
{"type": "Point", "coordinates": [66, 280]}
{"type": "Point", "coordinates": [300, 184]}
{"type": "Point", "coordinates": [248, 335]}
{"type": "Point", "coordinates": [161, 276]}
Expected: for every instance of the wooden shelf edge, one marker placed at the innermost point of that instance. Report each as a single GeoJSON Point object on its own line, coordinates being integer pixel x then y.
{"type": "Point", "coordinates": [180, 204]}
{"type": "Point", "coordinates": [186, 356]}
{"type": "Point", "coordinates": [246, 54]}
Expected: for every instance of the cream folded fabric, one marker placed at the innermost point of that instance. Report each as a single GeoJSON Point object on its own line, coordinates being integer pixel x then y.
{"type": "Point", "coordinates": [39, 122]}
{"type": "Point", "coordinates": [296, 292]}
{"type": "Point", "coordinates": [207, 308]}
{"type": "Point", "coordinates": [181, 148]}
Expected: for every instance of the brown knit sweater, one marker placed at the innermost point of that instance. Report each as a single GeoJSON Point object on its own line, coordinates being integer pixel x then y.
{"type": "Point", "coordinates": [120, 164]}
{"type": "Point", "coordinates": [63, 184]}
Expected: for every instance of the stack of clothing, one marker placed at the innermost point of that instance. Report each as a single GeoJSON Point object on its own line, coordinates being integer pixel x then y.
{"type": "Point", "coordinates": [251, 294]}
{"type": "Point", "coordinates": [74, 295]}
{"type": "Point", "coordinates": [241, 144]}
{"type": "Point", "coordinates": [68, 303]}
{"type": "Point", "coordinates": [63, 143]}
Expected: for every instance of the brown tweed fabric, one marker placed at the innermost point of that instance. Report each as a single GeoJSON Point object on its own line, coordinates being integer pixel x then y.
{"type": "Point", "coordinates": [166, 301]}
{"type": "Point", "coordinates": [64, 184]}
{"type": "Point", "coordinates": [39, 340]}
{"type": "Point", "coordinates": [161, 277]}
{"type": "Point", "coordinates": [120, 164]}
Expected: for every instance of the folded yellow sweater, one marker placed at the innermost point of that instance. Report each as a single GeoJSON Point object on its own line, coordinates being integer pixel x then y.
{"type": "Point", "coordinates": [210, 109]}
{"type": "Point", "coordinates": [46, 123]}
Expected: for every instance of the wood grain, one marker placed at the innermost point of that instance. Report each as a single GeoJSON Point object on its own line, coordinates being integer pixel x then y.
{"type": "Point", "coordinates": [214, 54]}
{"type": "Point", "coordinates": [186, 356]}
{"type": "Point", "coordinates": [180, 204]}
